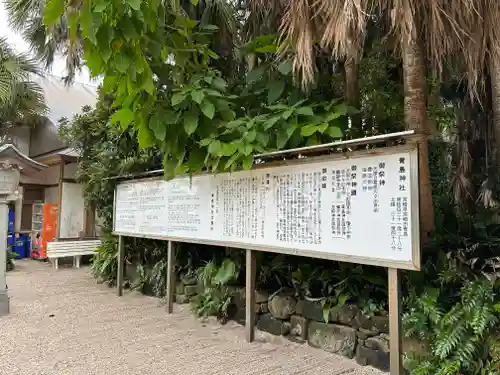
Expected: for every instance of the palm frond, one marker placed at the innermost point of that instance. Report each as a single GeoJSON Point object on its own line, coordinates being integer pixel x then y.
{"type": "Point", "coordinates": [26, 17]}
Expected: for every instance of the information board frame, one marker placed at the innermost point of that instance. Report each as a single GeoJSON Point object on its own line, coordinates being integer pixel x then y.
{"type": "Point", "coordinates": [413, 264]}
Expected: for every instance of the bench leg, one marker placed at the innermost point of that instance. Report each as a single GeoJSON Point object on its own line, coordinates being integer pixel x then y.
{"type": "Point", "coordinates": [78, 259]}
{"type": "Point", "coordinates": [56, 263]}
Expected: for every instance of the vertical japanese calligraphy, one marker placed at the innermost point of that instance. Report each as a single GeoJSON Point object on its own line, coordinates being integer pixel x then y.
{"type": "Point", "coordinates": [358, 207]}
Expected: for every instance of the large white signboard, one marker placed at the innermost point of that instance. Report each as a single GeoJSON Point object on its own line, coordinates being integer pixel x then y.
{"type": "Point", "coordinates": [361, 209]}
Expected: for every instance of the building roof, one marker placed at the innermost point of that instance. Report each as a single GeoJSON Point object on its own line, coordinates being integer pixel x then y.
{"type": "Point", "coordinates": [28, 165]}
{"type": "Point", "coordinates": [62, 102]}
{"type": "Point", "coordinates": [65, 101]}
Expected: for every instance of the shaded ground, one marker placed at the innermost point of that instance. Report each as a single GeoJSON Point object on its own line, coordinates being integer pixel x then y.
{"type": "Point", "coordinates": [64, 323]}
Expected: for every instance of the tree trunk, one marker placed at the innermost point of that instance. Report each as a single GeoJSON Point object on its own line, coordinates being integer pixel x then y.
{"type": "Point", "coordinates": [495, 104]}
{"type": "Point", "coordinates": [416, 118]}
{"type": "Point", "coordinates": [352, 91]}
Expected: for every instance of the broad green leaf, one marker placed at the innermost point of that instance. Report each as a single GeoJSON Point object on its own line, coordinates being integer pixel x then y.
{"type": "Point", "coordinates": [247, 162]}
{"type": "Point", "coordinates": [256, 74]}
{"type": "Point", "coordinates": [334, 132]}
{"type": "Point", "coordinates": [340, 108]}
{"type": "Point", "coordinates": [312, 140]}
{"type": "Point", "coordinates": [169, 165]}
{"type": "Point", "coordinates": [245, 148]}
{"type": "Point", "coordinates": [100, 5]}
{"type": "Point", "coordinates": [197, 96]}
{"type": "Point", "coordinates": [196, 158]}
{"type": "Point", "coordinates": [205, 142]}
{"type": "Point", "coordinates": [322, 127]}
{"type": "Point", "coordinates": [282, 139]}
{"type": "Point", "coordinates": [147, 84]}
{"type": "Point", "coordinates": [263, 40]}
{"type": "Point", "coordinates": [103, 42]}
{"type": "Point", "coordinates": [212, 92]}
{"type": "Point", "coordinates": [275, 89]}
{"type": "Point", "coordinates": [87, 21]}
{"type": "Point", "coordinates": [251, 135]}
{"type": "Point", "coordinates": [159, 129]}
{"type": "Point", "coordinates": [228, 149]}
{"type": "Point", "coordinates": [308, 130]}
{"type": "Point", "coordinates": [285, 67]}
{"type": "Point", "coordinates": [227, 115]}
{"type": "Point", "coordinates": [190, 122]}
{"type": "Point", "coordinates": [271, 122]}
{"type": "Point", "coordinates": [122, 62]}
{"type": "Point", "coordinates": [285, 115]}
{"type": "Point", "coordinates": [124, 116]}
{"type": "Point", "coordinates": [134, 4]}
{"type": "Point", "coordinates": [194, 2]}
{"type": "Point", "coordinates": [145, 136]}
{"type": "Point", "coordinates": [93, 59]}
{"type": "Point", "coordinates": [208, 108]}
{"type": "Point", "coordinates": [231, 160]}
{"type": "Point", "coordinates": [219, 84]}
{"type": "Point", "coordinates": [278, 106]}
{"type": "Point", "coordinates": [214, 147]}
{"type": "Point", "coordinates": [54, 9]}
{"type": "Point", "coordinates": [263, 138]}
{"type": "Point", "coordinates": [178, 98]}
{"type": "Point", "coordinates": [271, 48]}
{"type": "Point", "coordinates": [128, 29]}
{"type": "Point", "coordinates": [170, 117]}
{"type": "Point", "coordinates": [333, 116]}
{"type": "Point", "coordinates": [209, 27]}
{"type": "Point", "coordinates": [306, 111]}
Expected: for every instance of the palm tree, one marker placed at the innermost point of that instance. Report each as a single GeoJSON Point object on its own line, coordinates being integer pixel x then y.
{"type": "Point", "coordinates": [26, 17]}
{"type": "Point", "coordinates": [428, 34]}
{"type": "Point", "coordinates": [21, 101]}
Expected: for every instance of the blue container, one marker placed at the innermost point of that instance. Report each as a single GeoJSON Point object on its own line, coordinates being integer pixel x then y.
{"type": "Point", "coordinates": [11, 220]}
{"type": "Point", "coordinates": [10, 240]}
{"type": "Point", "coordinates": [27, 246]}
{"type": "Point", "coordinates": [20, 247]}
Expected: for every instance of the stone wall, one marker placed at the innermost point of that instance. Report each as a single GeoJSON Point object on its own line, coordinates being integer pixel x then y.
{"type": "Point", "coordinates": [348, 332]}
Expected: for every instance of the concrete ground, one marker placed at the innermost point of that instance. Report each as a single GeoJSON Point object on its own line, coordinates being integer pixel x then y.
{"type": "Point", "coordinates": [64, 323]}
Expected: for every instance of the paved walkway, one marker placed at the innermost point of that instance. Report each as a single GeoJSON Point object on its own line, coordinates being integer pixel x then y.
{"type": "Point", "coordinates": [64, 323]}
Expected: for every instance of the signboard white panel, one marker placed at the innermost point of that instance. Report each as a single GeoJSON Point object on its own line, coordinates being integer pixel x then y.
{"type": "Point", "coordinates": [361, 209]}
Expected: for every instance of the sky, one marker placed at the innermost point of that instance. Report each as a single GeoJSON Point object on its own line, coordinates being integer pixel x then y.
{"type": "Point", "coordinates": [17, 42]}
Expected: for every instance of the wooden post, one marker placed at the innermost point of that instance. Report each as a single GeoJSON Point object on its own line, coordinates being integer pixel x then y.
{"type": "Point", "coordinates": [59, 199]}
{"type": "Point", "coordinates": [250, 296]}
{"type": "Point", "coordinates": [170, 277]}
{"type": "Point", "coordinates": [121, 265]}
{"type": "Point", "coordinates": [395, 331]}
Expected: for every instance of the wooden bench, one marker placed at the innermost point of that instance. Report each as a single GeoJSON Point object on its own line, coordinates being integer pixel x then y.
{"type": "Point", "coordinates": [69, 247]}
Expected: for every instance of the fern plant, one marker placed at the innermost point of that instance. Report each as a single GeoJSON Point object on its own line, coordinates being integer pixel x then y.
{"type": "Point", "coordinates": [216, 298]}
{"type": "Point", "coordinates": [104, 263]}
{"type": "Point", "coordinates": [458, 336]}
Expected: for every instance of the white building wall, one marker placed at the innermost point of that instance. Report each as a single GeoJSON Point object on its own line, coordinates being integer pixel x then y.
{"type": "Point", "coordinates": [70, 170]}
{"type": "Point", "coordinates": [49, 176]}
{"type": "Point", "coordinates": [52, 195]}
{"type": "Point", "coordinates": [73, 210]}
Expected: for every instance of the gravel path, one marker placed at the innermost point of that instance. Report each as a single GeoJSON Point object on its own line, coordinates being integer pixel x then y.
{"type": "Point", "coordinates": [64, 323]}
